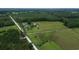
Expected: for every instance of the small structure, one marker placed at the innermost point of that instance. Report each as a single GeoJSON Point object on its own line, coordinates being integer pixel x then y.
{"type": "Point", "coordinates": [36, 25]}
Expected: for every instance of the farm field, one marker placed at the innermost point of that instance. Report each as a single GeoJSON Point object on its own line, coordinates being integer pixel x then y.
{"type": "Point", "coordinates": [76, 30]}
{"type": "Point", "coordinates": [54, 36]}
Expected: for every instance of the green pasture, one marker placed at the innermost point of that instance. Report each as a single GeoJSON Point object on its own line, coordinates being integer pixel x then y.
{"type": "Point", "coordinates": [54, 35]}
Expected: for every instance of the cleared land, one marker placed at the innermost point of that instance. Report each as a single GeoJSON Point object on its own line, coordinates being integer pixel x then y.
{"type": "Point", "coordinates": [54, 35]}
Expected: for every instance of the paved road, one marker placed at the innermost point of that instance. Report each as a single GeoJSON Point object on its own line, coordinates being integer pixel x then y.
{"type": "Point", "coordinates": [28, 39]}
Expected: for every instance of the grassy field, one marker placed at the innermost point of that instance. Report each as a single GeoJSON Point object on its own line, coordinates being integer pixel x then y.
{"type": "Point", "coordinates": [76, 30]}
{"type": "Point", "coordinates": [42, 36]}
{"type": "Point", "coordinates": [50, 45]}
{"type": "Point", "coordinates": [67, 39]}
{"type": "Point", "coordinates": [54, 35]}
{"type": "Point", "coordinates": [48, 26]}
{"type": "Point", "coordinates": [7, 28]}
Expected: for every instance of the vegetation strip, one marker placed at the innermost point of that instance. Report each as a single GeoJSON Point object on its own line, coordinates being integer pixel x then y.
{"type": "Point", "coordinates": [24, 34]}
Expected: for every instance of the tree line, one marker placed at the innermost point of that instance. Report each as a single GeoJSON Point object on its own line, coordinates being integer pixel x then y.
{"type": "Point", "coordinates": [69, 19]}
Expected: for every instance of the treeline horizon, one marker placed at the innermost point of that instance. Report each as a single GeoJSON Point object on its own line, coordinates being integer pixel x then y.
{"type": "Point", "coordinates": [38, 9]}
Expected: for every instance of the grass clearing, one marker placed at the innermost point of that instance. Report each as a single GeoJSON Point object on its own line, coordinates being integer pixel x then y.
{"type": "Point", "coordinates": [67, 39]}
{"type": "Point", "coordinates": [54, 35]}
{"type": "Point", "coordinates": [50, 46]}
{"type": "Point", "coordinates": [48, 26]}
{"type": "Point", "coordinates": [7, 27]}
{"type": "Point", "coordinates": [43, 35]}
